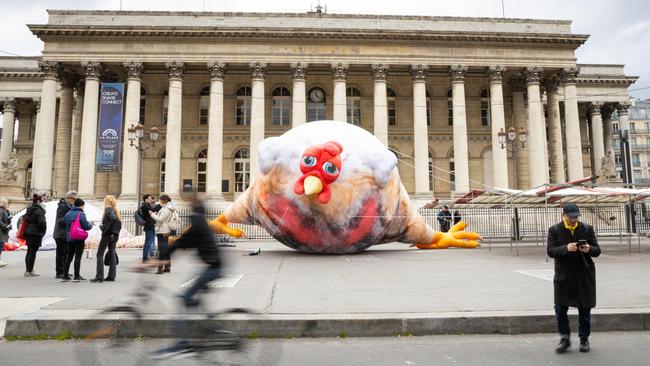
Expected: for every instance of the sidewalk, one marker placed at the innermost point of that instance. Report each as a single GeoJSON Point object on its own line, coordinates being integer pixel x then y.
{"type": "Point", "coordinates": [390, 289]}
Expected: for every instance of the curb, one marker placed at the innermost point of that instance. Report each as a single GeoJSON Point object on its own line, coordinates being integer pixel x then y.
{"type": "Point", "coordinates": [326, 325]}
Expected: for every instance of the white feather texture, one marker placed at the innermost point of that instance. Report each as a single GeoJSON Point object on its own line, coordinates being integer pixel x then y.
{"type": "Point", "coordinates": [362, 152]}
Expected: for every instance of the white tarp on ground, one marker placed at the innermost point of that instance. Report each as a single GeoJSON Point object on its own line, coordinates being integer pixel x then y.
{"type": "Point", "coordinates": [93, 214]}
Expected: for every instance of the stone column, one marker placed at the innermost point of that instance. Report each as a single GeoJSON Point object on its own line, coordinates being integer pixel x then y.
{"type": "Point", "coordinates": [45, 127]}
{"type": "Point", "coordinates": [75, 140]}
{"type": "Point", "coordinates": [606, 112]}
{"type": "Point", "coordinates": [556, 150]}
{"type": "Point", "coordinates": [258, 71]}
{"type": "Point", "coordinates": [572, 125]}
{"type": "Point", "coordinates": [298, 96]}
{"type": "Point", "coordinates": [519, 118]}
{"type": "Point", "coordinates": [420, 131]}
{"type": "Point", "coordinates": [598, 148]}
{"type": "Point", "coordinates": [215, 131]}
{"type": "Point", "coordinates": [537, 156]}
{"type": "Point", "coordinates": [63, 136]}
{"type": "Point", "coordinates": [379, 72]}
{"type": "Point", "coordinates": [88, 146]}
{"type": "Point", "coordinates": [461, 154]}
{"type": "Point", "coordinates": [9, 116]}
{"type": "Point", "coordinates": [499, 155]}
{"type": "Point", "coordinates": [174, 126]}
{"type": "Point", "coordinates": [130, 155]}
{"type": "Point", "coordinates": [340, 72]}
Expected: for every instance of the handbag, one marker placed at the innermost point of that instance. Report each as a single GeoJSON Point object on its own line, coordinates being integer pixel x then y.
{"type": "Point", "coordinates": [107, 260]}
{"type": "Point", "coordinates": [23, 226]}
{"type": "Point", "coordinates": [77, 233]}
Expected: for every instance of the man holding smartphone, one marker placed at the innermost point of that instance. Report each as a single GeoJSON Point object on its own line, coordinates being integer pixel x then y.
{"type": "Point", "coordinates": [573, 244]}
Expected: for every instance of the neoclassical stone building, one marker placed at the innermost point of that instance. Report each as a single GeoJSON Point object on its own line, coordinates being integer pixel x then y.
{"type": "Point", "coordinates": [435, 90]}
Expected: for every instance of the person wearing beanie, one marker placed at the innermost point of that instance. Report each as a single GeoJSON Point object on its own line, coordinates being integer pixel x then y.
{"type": "Point", "coordinates": [34, 233]}
{"type": "Point", "coordinates": [75, 248]}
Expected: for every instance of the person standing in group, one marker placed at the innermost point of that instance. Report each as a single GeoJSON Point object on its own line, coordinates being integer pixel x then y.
{"type": "Point", "coordinates": [77, 227]}
{"type": "Point", "coordinates": [164, 218]}
{"type": "Point", "coordinates": [573, 244]}
{"type": "Point", "coordinates": [111, 227]}
{"type": "Point", "coordinates": [457, 217]}
{"type": "Point", "coordinates": [34, 232]}
{"type": "Point", "coordinates": [5, 226]}
{"type": "Point", "coordinates": [149, 227]}
{"type": "Point", "coordinates": [444, 219]}
{"type": "Point", "coordinates": [60, 234]}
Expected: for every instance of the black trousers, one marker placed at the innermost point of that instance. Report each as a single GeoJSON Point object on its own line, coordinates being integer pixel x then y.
{"type": "Point", "coordinates": [33, 243]}
{"type": "Point", "coordinates": [584, 321]}
{"type": "Point", "coordinates": [61, 250]}
{"type": "Point", "coordinates": [107, 242]}
{"type": "Point", "coordinates": [75, 250]}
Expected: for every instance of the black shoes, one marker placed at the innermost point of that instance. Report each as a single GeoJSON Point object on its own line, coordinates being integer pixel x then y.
{"type": "Point", "coordinates": [109, 279]}
{"type": "Point", "coordinates": [78, 279]}
{"type": "Point", "coordinates": [563, 345]}
{"type": "Point", "coordinates": [584, 345]}
{"type": "Point", "coordinates": [65, 278]}
{"type": "Point", "coordinates": [97, 280]}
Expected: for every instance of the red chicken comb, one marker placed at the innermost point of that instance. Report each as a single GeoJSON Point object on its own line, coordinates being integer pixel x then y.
{"type": "Point", "coordinates": [333, 148]}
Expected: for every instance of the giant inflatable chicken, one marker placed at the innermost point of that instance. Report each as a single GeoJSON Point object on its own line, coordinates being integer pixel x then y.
{"type": "Point", "coordinates": [332, 187]}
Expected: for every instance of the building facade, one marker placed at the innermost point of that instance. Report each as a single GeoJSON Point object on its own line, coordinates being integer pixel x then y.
{"type": "Point", "coordinates": [639, 138]}
{"type": "Point", "coordinates": [435, 90]}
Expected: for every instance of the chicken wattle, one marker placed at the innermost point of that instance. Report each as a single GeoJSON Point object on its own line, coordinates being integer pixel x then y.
{"type": "Point", "coordinates": [332, 187]}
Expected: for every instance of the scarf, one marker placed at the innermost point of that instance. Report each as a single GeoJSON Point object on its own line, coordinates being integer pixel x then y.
{"type": "Point", "coordinates": [571, 228]}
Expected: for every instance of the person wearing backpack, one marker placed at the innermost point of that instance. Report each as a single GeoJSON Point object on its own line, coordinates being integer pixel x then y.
{"type": "Point", "coordinates": [167, 221]}
{"type": "Point", "coordinates": [77, 227]}
{"type": "Point", "coordinates": [111, 227]}
{"type": "Point", "coordinates": [5, 226]}
{"type": "Point", "coordinates": [35, 229]}
{"type": "Point", "coordinates": [149, 226]}
{"type": "Point", "coordinates": [60, 235]}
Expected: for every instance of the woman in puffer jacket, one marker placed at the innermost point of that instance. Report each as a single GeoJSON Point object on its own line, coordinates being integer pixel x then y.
{"type": "Point", "coordinates": [163, 217]}
{"type": "Point", "coordinates": [111, 227]}
{"type": "Point", "coordinates": [34, 233]}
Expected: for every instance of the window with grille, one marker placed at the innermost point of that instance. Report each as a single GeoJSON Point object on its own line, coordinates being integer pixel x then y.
{"type": "Point", "coordinates": [204, 105]}
{"type": "Point", "coordinates": [353, 101]}
{"type": "Point", "coordinates": [281, 107]}
{"type": "Point", "coordinates": [243, 108]}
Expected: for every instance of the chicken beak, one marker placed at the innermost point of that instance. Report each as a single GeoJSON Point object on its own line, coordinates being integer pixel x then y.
{"type": "Point", "coordinates": [313, 185]}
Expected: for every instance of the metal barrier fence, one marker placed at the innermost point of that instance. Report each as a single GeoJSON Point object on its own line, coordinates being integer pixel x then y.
{"type": "Point", "coordinates": [491, 223]}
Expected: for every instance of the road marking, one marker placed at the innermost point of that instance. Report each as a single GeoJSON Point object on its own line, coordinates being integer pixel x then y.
{"type": "Point", "coordinates": [227, 281]}
{"type": "Point", "coordinates": [542, 274]}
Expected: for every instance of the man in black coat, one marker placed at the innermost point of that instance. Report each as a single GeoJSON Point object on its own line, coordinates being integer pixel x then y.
{"type": "Point", "coordinates": [573, 244]}
{"type": "Point", "coordinates": [149, 227]}
{"type": "Point", "coordinates": [60, 234]}
{"type": "Point", "coordinates": [444, 219]}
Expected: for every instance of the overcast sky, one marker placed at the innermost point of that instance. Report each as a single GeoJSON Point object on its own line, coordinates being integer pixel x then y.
{"type": "Point", "coordinates": [619, 29]}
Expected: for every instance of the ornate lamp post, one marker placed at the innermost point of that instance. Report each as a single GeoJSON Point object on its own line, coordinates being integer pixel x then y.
{"type": "Point", "coordinates": [513, 140]}
{"type": "Point", "coordinates": [136, 137]}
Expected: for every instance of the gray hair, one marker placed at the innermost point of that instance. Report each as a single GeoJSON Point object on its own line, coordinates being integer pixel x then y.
{"type": "Point", "coordinates": [71, 194]}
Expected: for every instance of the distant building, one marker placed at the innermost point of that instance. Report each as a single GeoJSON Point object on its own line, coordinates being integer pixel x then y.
{"type": "Point", "coordinates": [639, 120]}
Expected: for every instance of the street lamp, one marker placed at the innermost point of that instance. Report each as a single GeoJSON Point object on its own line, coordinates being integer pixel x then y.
{"type": "Point", "coordinates": [513, 140]}
{"type": "Point", "coordinates": [136, 137]}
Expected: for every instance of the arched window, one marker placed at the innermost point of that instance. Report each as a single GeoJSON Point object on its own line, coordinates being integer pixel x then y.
{"type": "Point", "coordinates": [165, 108]}
{"type": "Point", "coordinates": [202, 170]}
{"type": "Point", "coordinates": [428, 108]}
{"type": "Point", "coordinates": [162, 172]}
{"type": "Point", "coordinates": [450, 108]}
{"type": "Point", "coordinates": [485, 107]}
{"type": "Point", "coordinates": [242, 171]}
{"type": "Point", "coordinates": [143, 103]}
{"type": "Point", "coordinates": [452, 173]}
{"type": "Point", "coordinates": [28, 179]}
{"type": "Point", "coordinates": [316, 105]}
{"type": "Point", "coordinates": [204, 105]}
{"type": "Point", "coordinates": [243, 110]}
{"type": "Point", "coordinates": [281, 106]}
{"type": "Point", "coordinates": [353, 105]}
{"type": "Point", "coordinates": [391, 102]}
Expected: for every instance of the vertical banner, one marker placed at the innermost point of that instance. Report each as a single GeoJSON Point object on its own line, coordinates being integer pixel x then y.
{"type": "Point", "coordinates": [111, 107]}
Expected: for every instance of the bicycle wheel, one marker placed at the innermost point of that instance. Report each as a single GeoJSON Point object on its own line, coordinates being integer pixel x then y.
{"type": "Point", "coordinates": [104, 346]}
{"type": "Point", "coordinates": [237, 348]}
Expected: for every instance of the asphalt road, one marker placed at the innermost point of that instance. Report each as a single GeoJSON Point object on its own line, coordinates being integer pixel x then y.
{"type": "Point", "coordinates": [531, 350]}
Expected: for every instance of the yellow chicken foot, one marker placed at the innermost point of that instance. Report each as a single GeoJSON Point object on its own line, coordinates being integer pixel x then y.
{"type": "Point", "coordinates": [220, 226]}
{"type": "Point", "coordinates": [456, 237]}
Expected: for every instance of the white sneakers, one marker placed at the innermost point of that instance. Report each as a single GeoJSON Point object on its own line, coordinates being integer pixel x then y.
{"type": "Point", "coordinates": [32, 274]}
{"type": "Point", "coordinates": [2, 264]}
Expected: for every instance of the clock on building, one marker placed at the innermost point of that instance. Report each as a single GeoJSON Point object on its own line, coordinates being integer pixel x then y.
{"type": "Point", "coordinates": [316, 95]}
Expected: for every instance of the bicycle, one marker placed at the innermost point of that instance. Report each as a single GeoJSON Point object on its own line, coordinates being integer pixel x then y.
{"type": "Point", "coordinates": [210, 343]}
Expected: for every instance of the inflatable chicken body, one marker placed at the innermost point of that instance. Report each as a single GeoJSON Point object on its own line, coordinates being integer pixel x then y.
{"type": "Point", "coordinates": [332, 187]}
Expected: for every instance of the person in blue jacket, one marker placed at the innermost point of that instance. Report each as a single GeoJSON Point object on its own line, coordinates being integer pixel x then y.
{"type": "Point", "coordinates": [75, 247]}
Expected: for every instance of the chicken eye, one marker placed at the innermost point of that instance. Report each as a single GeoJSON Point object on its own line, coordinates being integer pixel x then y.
{"type": "Point", "coordinates": [309, 161]}
{"type": "Point", "coordinates": [330, 168]}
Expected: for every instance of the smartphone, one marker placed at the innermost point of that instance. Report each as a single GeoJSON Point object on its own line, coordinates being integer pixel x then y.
{"type": "Point", "coordinates": [582, 242]}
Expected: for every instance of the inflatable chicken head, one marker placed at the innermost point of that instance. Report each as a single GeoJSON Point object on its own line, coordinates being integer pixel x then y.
{"type": "Point", "coordinates": [331, 187]}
